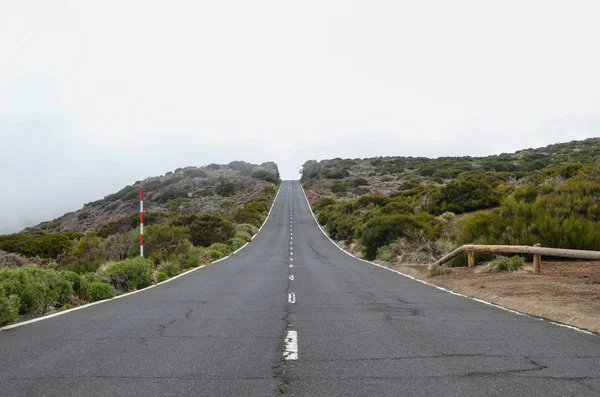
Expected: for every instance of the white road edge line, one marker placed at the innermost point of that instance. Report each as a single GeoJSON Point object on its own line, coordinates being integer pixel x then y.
{"type": "Point", "coordinates": [291, 346]}
{"type": "Point", "coordinates": [35, 320]}
{"type": "Point", "coordinates": [585, 331]}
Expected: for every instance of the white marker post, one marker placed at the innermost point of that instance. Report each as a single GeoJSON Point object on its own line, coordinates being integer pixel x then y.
{"type": "Point", "coordinates": [142, 223]}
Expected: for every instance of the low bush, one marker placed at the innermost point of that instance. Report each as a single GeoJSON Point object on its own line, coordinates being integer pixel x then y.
{"type": "Point", "coordinates": [214, 255]}
{"type": "Point", "coordinates": [385, 253]}
{"type": "Point", "coordinates": [9, 260]}
{"type": "Point", "coordinates": [236, 243]}
{"type": "Point", "coordinates": [322, 203]}
{"type": "Point", "coordinates": [129, 274]}
{"type": "Point", "coordinates": [97, 290]}
{"type": "Point", "coordinates": [160, 277]}
{"type": "Point", "coordinates": [265, 176]}
{"type": "Point", "coordinates": [359, 182]}
{"type": "Point", "coordinates": [384, 229]}
{"type": "Point", "coordinates": [171, 268]}
{"type": "Point", "coordinates": [248, 214]}
{"type": "Point", "coordinates": [195, 173]}
{"type": "Point", "coordinates": [462, 196]}
{"type": "Point", "coordinates": [225, 189]}
{"type": "Point", "coordinates": [336, 174]}
{"type": "Point", "coordinates": [246, 227]}
{"type": "Point", "coordinates": [163, 242]}
{"type": "Point", "coordinates": [37, 289]}
{"type": "Point", "coordinates": [9, 309]}
{"type": "Point", "coordinates": [245, 236]}
{"type": "Point", "coordinates": [223, 248]}
{"type": "Point", "coordinates": [436, 270]}
{"type": "Point", "coordinates": [44, 245]}
{"type": "Point", "coordinates": [209, 229]}
{"type": "Point", "coordinates": [192, 261]}
{"type": "Point", "coordinates": [503, 264]}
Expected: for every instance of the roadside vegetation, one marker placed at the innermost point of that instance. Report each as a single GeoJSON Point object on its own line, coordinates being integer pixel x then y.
{"type": "Point", "coordinates": [43, 271]}
{"type": "Point", "coordinates": [415, 210]}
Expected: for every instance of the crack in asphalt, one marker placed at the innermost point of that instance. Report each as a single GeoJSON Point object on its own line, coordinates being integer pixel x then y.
{"type": "Point", "coordinates": [163, 327]}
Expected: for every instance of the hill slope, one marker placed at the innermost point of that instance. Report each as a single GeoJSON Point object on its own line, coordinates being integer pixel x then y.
{"type": "Point", "coordinates": [185, 191]}
{"type": "Point", "coordinates": [416, 209]}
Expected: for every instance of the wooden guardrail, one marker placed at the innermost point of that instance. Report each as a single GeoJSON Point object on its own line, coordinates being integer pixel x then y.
{"type": "Point", "coordinates": [537, 251]}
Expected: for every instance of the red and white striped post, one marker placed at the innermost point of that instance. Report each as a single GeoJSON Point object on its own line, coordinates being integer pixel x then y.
{"type": "Point", "coordinates": [142, 222]}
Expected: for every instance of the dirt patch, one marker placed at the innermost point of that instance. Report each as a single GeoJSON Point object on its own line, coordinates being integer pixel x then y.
{"type": "Point", "coordinates": [312, 196]}
{"type": "Point", "coordinates": [567, 292]}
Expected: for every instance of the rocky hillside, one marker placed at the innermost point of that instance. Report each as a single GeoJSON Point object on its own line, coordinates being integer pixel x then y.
{"type": "Point", "coordinates": [350, 178]}
{"type": "Point", "coordinates": [184, 191]}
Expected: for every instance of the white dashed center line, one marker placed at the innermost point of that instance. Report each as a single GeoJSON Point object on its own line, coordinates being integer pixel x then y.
{"type": "Point", "coordinates": [292, 297]}
{"type": "Point", "coordinates": [291, 346]}
{"type": "Point", "coordinates": [292, 277]}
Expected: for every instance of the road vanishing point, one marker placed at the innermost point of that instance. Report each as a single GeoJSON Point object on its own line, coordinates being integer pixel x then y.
{"type": "Point", "coordinates": [291, 314]}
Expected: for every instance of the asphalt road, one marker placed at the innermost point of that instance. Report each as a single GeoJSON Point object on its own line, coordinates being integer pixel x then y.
{"type": "Point", "coordinates": [345, 328]}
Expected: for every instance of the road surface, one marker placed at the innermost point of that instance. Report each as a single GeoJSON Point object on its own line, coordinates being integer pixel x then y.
{"type": "Point", "coordinates": [291, 314]}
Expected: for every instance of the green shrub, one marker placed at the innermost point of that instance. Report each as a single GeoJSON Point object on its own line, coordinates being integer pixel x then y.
{"type": "Point", "coordinates": [568, 217]}
{"type": "Point", "coordinates": [9, 309]}
{"type": "Point", "coordinates": [214, 255]}
{"type": "Point", "coordinates": [435, 270]}
{"type": "Point", "coordinates": [379, 201]}
{"type": "Point", "coordinates": [245, 236]}
{"type": "Point", "coordinates": [97, 290]}
{"type": "Point", "coordinates": [223, 248]}
{"type": "Point", "coordinates": [322, 203]}
{"type": "Point", "coordinates": [37, 289]}
{"type": "Point", "coordinates": [160, 277]}
{"type": "Point", "coordinates": [195, 173]}
{"type": "Point", "coordinates": [359, 182]}
{"type": "Point", "coordinates": [44, 245]}
{"type": "Point", "coordinates": [527, 193]}
{"type": "Point", "coordinates": [209, 229]}
{"type": "Point", "coordinates": [171, 195]}
{"type": "Point", "coordinates": [338, 187]}
{"type": "Point", "coordinates": [385, 253]}
{"type": "Point", "coordinates": [163, 242]}
{"type": "Point", "coordinates": [86, 256]}
{"type": "Point", "coordinates": [248, 214]}
{"type": "Point", "coordinates": [133, 273]}
{"type": "Point", "coordinates": [397, 207]}
{"type": "Point", "coordinates": [236, 243]}
{"type": "Point", "coordinates": [192, 261]}
{"type": "Point", "coordinates": [207, 192]}
{"type": "Point", "coordinates": [461, 196]}
{"type": "Point", "coordinates": [78, 282]}
{"type": "Point", "coordinates": [383, 230]}
{"type": "Point", "coordinates": [171, 268]}
{"type": "Point", "coordinates": [225, 189]}
{"type": "Point", "coordinates": [246, 227]}
{"type": "Point", "coordinates": [336, 174]}
{"type": "Point", "coordinates": [503, 264]}
{"type": "Point", "coordinates": [265, 176]}
{"type": "Point", "coordinates": [174, 204]}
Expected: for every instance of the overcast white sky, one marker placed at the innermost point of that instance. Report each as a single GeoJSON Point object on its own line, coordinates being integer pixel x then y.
{"type": "Point", "coordinates": [95, 95]}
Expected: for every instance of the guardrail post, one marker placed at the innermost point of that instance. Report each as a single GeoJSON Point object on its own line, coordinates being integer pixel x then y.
{"type": "Point", "coordinates": [471, 258]}
{"type": "Point", "coordinates": [537, 261]}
